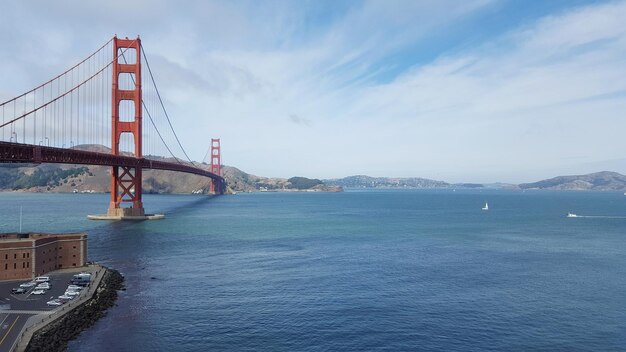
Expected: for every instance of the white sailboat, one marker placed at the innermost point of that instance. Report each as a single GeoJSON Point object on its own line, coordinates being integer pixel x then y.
{"type": "Point", "coordinates": [486, 207]}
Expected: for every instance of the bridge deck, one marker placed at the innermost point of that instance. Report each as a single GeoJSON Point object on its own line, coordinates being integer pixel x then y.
{"type": "Point", "coordinates": [28, 153]}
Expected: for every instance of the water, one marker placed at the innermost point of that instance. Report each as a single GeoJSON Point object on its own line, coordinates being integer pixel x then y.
{"type": "Point", "coordinates": [354, 271]}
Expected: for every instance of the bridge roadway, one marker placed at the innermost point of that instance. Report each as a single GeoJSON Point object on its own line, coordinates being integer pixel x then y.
{"type": "Point", "coordinates": [28, 153]}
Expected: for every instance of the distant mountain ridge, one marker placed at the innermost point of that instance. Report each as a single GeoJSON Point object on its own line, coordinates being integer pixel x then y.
{"type": "Point", "coordinates": [598, 181]}
{"type": "Point", "coordinates": [362, 181]}
{"type": "Point", "coordinates": [240, 181]}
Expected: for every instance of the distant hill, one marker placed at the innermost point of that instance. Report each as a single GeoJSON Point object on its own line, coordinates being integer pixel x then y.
{"type": "Point", "coordinates": [361, 181]}
{"type": "Point", "coordinates": [599, 181]}
{"type": "Point", "coordinates": [243, 182]}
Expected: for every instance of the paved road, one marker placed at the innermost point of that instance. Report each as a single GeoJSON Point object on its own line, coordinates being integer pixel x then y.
{"type": "Point", "coordinates": [10, 328]}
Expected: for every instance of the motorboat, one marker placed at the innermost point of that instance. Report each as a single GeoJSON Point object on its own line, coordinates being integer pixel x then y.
{"type": "Point", "coordinates": [486, 207]}
{"type": "Point", "coordinates": [572, 215]}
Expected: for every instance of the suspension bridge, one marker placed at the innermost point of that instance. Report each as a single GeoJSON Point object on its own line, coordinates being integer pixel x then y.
{"type": "Point", "coordinates": [95, 114]}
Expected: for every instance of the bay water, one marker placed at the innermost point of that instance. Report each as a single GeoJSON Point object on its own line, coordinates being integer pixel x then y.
{"type": "Point", "coordinates": [372, 270]}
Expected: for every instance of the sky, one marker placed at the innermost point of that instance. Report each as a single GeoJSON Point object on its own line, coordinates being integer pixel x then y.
{"type": "Point", "coordinates": [453, 90]}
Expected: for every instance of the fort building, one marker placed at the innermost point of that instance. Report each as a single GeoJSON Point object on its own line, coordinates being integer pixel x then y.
{"type": "Point", "coordinates": [24, 256]}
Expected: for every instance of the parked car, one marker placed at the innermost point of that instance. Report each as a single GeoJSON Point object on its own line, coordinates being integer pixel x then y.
{"type": "Point", "coordinates": [65, 297]}
{"type": "Point", "coordinates": [54, 302]}
{"type": "Point", "coordinates": [40, 279]}
{"type": "Point", "coordinates": [74, 287]}
{"type": "Point", "coordinates": [28, 284]}
{"type": "Point", "coordinates": [80, 282]}
{"type": "Point", "coordinates": [39, 292]}
{"type": "Point", "coordinates": [18, 291]}
{"type": "Point", "coordinates": [43, 286]}
{"type": "Point", "coordinates": [72, 293]}
{"type": "Point", "coordinates": [82, 276]}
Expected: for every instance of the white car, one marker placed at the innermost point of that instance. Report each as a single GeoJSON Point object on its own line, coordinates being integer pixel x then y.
{"type": "Point", "coordinates": [83, 276]}
{"type": "Point", "coordinates": [72, 293]}
{"type": "Point", "coordinates": [66, 297]}
{"type": "Point", "coordinates": [28, 284]}
{"type": "Point", "coordinates": [54, 302]}
{"type": "Point", "coordinates": [42, 279]}
{"type": "Point", "coordinates": [44, 286]}
{"type": "Point", "coordinates": [39, 292]}
{"type": "Point", "coordinates": [74, 287]}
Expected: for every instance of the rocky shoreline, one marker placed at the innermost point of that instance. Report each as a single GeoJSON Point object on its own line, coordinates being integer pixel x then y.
{"type": "Point", "coordinates": [55, 336]}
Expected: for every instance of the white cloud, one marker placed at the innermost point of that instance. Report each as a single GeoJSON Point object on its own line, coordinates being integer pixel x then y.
{"type": "Point", "coordinates": [526, 111]}
{"type": "Point", "coordinates": [525, 104]}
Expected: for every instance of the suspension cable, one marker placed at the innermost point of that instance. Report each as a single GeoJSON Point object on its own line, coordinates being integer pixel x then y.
{"type": "Point", "coordinates": [159, 133]}
{"type": "Point", "coordinates": [64, 94]}
{"type": "Point", "coordinates": [70, 69]}
{"type": "Point", "coordinates": [143, 103]}
{"type": "Point", "coordinates": [163, 106]}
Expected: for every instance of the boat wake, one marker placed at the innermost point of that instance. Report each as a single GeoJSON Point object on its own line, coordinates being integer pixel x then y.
{"type": "Point", "coordinates": [570, 215]}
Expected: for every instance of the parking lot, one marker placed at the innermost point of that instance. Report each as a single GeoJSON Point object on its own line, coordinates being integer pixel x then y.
{"type": "Point", "coordinates": [29, 302]}
{"type": "Point", "coordinates": [16, 309]}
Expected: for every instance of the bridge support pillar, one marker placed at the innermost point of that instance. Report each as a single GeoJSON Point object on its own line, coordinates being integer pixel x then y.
{"type": "Point", "coordinates": [126, 187]}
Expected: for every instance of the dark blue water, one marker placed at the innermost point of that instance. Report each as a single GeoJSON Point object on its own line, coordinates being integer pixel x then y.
{"type": "Point", "coordinates": [355, 271]}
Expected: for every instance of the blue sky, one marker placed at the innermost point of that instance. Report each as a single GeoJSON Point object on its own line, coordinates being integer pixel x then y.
{"type": "Point", "coordinates": [462, 91]}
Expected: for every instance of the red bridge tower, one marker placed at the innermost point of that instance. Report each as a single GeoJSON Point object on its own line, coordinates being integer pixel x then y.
{"type": "Point", "coordinates": [126, 181]}
{"type": "Point", "coordinates": [216, 165]}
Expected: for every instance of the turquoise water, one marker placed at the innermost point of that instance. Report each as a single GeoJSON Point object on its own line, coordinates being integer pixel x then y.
{"type": "Point", "coordinates": [354, 271]}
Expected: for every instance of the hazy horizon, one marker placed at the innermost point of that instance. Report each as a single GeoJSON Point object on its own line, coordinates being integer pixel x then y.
{"type": "Point", "coordinates": [461, 91]}
{"type": "Point", "coordinates": [451, 182]}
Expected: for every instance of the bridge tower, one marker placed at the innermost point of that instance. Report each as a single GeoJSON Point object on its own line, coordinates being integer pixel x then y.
{"type": "Point", "coordinates": [216, 166]}
{"type": "Point", "coordinates": [126, 181]}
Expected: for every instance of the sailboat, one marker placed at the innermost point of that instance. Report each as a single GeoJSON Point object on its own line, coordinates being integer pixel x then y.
{"type": "Point", "coordinates": [486, 207]}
